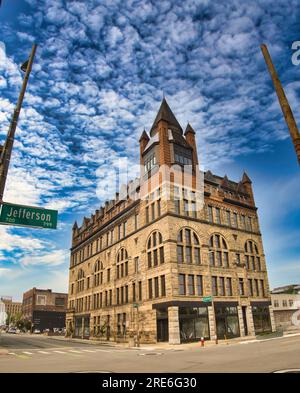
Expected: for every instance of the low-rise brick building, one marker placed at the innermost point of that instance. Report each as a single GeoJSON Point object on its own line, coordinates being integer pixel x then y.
{"type": "Point", "coordinates": [45, 309]}
{"type": "Point", "coordinates": [178, 258]}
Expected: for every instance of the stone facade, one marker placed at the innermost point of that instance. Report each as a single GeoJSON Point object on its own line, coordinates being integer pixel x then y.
{"type": "Point", "coordinates": [171, 261]}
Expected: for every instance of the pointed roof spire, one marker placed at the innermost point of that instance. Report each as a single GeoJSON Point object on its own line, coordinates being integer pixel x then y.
{"type": "Point", "coordinates": [165, 113]}
{"type": "Point", "coordinates": [225, 182]}
{"type": "Point", "coordinates": [188, 129]}
{"type": "Point", "coordinates": [144, 136]}
{"type": "Point", "coordinates": [246, 178]}
{"type": "Point", "coordinates": [75, 226]}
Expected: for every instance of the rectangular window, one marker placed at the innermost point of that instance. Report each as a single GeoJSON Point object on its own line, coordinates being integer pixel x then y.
{"type": "Point", "coordinates": [262, 287]}
{"type": "Point", "coordinates": [133, 293]}
{"type": "Point", "coordinates": [284, 303]}
{"type": "Point", "coordinates": [177, 206]}
{"type": "Point", "coordinates": [124, 228]}
{"type": "Point", "coordinates": [126, 294]}
{"type": "Point", "coordinates": [219, 258]}
{"type": "Point", "coordinates": [136, 264]}
{"type": "Point", "coordinates": [197, 256]}
{"type": "Point", "coordinates": [247, 262]}
{"type": "Point", "coordinates": [191, 284]}
{"type": "Point", "coordinates": [243, 221]}
{"type": "Point", "coordinates": [186, 207]}
{"type": "Point", "coordinates": [228, 217]}
{"type": "Point", "coordinates": [108, 275]}
{"type": "Point", "coordinates": [199, 285]}
{"type": "Point", "coordinates": [222, 286]}
{"type": "Point", "coordinates": [147, 214]}
{"type": "Point", "coordinates": [241, 287]}
{"type": "Point", "coordinates": [194, 211]}
{"type": "Point", "coordinates": [225, 259]}
{"type": "Point", "coordinates": [158, 208]}
{"type": "Point", "coordinates": [250, 287]}
{"type": "Point", "coordinates": [156, 288]}
{"type": "Point", "coordinates": [218, 216]}
{"type": "Point", "coordinates": [210, 214]}
{"type": "Point", "coordinates": [182, 288]}
{"type": "Point", "coordinates": [253, 262]}
{"type": "Point", "coordinates": [149, 260]}
{"type": "Point", "coordinates": [180, 254]}
{"type": "Point", "coordinates": [211, 258]}
{"type": "Point", "coordinates": [214, 284]}
{"type": "Point", "coordinates": [163, 285]}
{"type": "Point", "coordinates": [126, 268]}
{"type": "Point", "coordinates": [150, 288]}
{"type": "Point", "coordinates": [110, 297]}
{"type": "Point", "coordinates": [119, 231]}
{"type": "Point", "coordinates": [250, 223]}
{"type": "Point", "coordinates": [235, 220]}
{"type": "Point", "coordinates": [228, 286]}
{"type": "Point", "coordinates": [155, 258]}
{"type": "Point", "coordinates": [153, 211]}
{"type": "Point", "coordinates": [188, 254]}
{"type": "Point", "coordinates": [161, 255]}
{"type": "Point", "coordinates": [258, 264]}
{"type": "Point", "coordinates": [140, 291]}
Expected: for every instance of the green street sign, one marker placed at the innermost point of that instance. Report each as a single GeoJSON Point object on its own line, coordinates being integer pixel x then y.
{"type": "Point", "coordinates": [135, 305]}
{"type": "Point", "coordinates": [207, 299]}
{"type": "Point", "coordinates": [11, 214]}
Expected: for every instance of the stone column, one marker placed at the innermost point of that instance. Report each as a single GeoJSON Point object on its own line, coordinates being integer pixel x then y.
{"type": "Point", "coordinates": [273, 325]}
{"type": "Point", "coordinates": [212, 323]}
{"type": "Point", "coordinates": [174, 333]}
{"type": "Point", "coordinates": [250, 324]}
{"type": "Point", "coordinates": [241, 321]}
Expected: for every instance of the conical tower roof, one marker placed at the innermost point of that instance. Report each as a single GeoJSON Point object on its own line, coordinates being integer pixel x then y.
{"type": "Point", "coordinates": [165, 113]}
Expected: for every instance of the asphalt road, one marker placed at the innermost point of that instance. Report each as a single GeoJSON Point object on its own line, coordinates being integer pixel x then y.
{"type": "Point", "coordinates": [43, 354]}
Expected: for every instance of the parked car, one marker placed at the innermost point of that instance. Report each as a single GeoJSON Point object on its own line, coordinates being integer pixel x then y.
{"type": "Point", "coordinates": [12, 330]}
{"type": "Point", "coordinates": [37, 331]}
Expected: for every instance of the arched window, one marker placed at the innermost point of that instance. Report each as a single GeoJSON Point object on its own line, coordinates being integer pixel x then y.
{"type": "Point", "coordinates": [252, 258]}
{"type": "Point", "coordinates": [122, 263]}
{"type": "Point", "coordinates": [188, 247]}
{"type": "Point", "coordinates": [98, 273]}
{"type": "Point", "coordinates": [218, 251]}
{"type": "Point", "coordinates": [155, 250]}
{"type": "Point", "coordinates": [80, 281]}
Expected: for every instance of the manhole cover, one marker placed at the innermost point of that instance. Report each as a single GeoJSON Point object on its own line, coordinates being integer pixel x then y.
{"type": "Point", "coordinates": [288, 371]}
{"type": "Point", "coordinates": [150, 354]}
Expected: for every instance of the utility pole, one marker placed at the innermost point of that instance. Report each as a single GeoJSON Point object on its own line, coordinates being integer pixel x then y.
{"type": "Point", "coordinates": [285, 107]}
{"type": "Point", "coordinates": [8, 146]}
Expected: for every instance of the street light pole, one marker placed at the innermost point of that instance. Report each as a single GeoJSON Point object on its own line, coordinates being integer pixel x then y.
{"type": "Point", "coordinates": [8, 146]}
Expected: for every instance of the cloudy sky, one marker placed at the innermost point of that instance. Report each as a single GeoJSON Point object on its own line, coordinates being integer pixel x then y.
{"type": "Point", "coordinates": [101, 69]}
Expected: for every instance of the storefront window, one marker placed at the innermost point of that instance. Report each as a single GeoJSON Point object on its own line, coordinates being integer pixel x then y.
{"type": "Point", "coordinates": [193, 323]}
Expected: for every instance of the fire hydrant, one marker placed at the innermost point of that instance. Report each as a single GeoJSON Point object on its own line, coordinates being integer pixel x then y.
{"type": "Point", "coordinates": [202, 341]}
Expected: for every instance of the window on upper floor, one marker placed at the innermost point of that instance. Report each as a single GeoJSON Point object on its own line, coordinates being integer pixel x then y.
{"type": "Point", "coordinates": [252, 257]}
{"type": "Point", "coordinates": [98, 274]}
{"type": "Point", "coordinates": [80, 280]}
{"type": "Point", "coordinates": [122, 263]}
{"type": "Point", "coordinates": [188, 247]}
{"type": "Point", "coordinates": [150, 163]}
{"type": "Point", "coordinates": [218, 251]}
{"type": "Point", "coordinates": [155, 250]}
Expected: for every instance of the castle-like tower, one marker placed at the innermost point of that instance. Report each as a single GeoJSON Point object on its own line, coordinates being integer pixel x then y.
{"type": "Point", "coordinates": [178, 258]}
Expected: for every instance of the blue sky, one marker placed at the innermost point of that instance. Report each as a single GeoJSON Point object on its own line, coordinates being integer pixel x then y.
{"type": "Point", "coordinates": [99, 75]}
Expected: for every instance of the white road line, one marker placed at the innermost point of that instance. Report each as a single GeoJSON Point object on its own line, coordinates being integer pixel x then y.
{"type": "Point", "coordinates": [44, 353]}
{"type": "Point", "coordinates": [11, 353]}
{"type": "Point", "coordinates": [27, 353]}
{"type": "Point", "coordinates": [64, 353]}
{"type": "Point", "coordinates": [73, 351]}
{"type": "Point", "coordinates": [88, 350]}
{"type": "Point", "coordinates": [102, 350]}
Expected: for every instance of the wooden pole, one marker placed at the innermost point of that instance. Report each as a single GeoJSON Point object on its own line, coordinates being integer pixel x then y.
{"type": "Point", "coordinates": [285, 107]}
{"type": "Point", "coordinates": [8, 146]}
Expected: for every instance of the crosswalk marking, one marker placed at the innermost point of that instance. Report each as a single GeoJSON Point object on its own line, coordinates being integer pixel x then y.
{"type": "Point", "coordinates": [60, 352]}
{"type": "Point", "coordinates": [11, 353]}
{"type": "Point", "coordinates": [28, 353]}
{"type": "Point", "coordinates": [88, 350]}
{"type": "Point", "coordinates": [73, 351]}
{"type": "Point", "coordinates": [44, 353]}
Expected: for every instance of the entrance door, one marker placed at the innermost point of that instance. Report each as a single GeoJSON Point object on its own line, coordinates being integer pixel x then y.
{"type": "Point", "coordinates": [162, 330]}
{"type": "Point", "coordinates": [245, 320]}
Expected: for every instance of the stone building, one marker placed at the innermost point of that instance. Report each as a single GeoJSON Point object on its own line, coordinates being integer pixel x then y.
{"type": "Point", "coordinates": [11, 308]}
{"type": "Point", "coordinates": [45, 309]}
{"type": "Point", "coordinates": [178, 258]}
